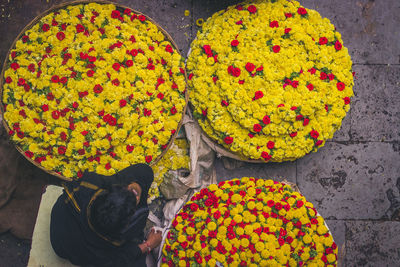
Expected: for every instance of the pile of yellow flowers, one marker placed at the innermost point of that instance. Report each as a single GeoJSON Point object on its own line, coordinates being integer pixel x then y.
{"type": "Point", "coordinates": [270, 79]}
{"type": "Point", "coordinates": [93, 87]}
{"type": "Point", "coordinates": [177, 157]}
{"type": "Point", "coordinates": [249, 222]}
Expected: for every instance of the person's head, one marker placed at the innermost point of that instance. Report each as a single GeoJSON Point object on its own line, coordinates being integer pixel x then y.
{"type": "Point", "coordinates": [112, 210]}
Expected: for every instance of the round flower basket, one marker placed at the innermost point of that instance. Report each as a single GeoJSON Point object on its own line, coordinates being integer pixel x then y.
{"type": "Point", "coordinates": [249, 222]}
{"type": "Point", "coordinates": [92, 85]}
{"type": "Point", "coordinates": [278, 79]}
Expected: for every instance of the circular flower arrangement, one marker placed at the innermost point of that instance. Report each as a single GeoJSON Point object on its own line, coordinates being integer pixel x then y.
{"type": "Point", "coordinates": [93, 87]}
{"type": "Point", "coordinates": [177, 157]}
{"type": "Point", "coordinates": [278, 80]}
{"type": "Point", "coordinates": [249, 222]}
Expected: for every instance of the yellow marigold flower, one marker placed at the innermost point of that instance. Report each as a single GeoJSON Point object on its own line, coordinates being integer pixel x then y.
{"type": "Point", "coordinates": [199, 22]}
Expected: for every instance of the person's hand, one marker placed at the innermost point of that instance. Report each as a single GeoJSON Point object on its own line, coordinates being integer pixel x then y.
{"type": "Point", "coordinates": [154, 238]}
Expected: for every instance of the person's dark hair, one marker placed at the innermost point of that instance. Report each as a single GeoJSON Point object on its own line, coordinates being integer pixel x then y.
{"type": "Point", "coordinates": [111, 211]}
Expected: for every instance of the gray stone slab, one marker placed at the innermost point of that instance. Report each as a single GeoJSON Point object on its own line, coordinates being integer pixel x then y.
{"type": "Point", "coordinates": [372, 243]}
{"type": "Point", "coordinates": [369, 28]}
{"type": "Point", "coordinates": [350, 181]}
{"type": "Point", "coordinates": [375, 107]}
{"type": "Point", "coordinates": [275, 171]}
{"type": "Point", "coordinates": [338, 230]}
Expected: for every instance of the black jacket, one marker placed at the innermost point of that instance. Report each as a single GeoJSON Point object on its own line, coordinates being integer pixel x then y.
{"type": "Point", "coordinates": [71, 234]}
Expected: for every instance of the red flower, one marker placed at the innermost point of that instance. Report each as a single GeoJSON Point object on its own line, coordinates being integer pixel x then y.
{"type": "Point", "coordinates": [122, 103]}
{"type": "Point", "coordinates": [310, 87]}
{"type": "Point", "coordinates": [299, 204]}
{"type": "Point", "coordinates": [312, 70]}
{"type": "Point", "coordinates": [288, 15]}
{"type": "Point", "coordinates": [266, 120]}
{"type": "Point", "coordinates": [293, 134]}
{"type": "Point", "coordinates": [276, 48]}
{"type": "Point", "coordinates": [55, 79]}
{"type": "Point", "coordinates": [252, 9]}
{"type": "Point", "coordinates": [90, 73]}
{"type": "Point", "coordinates": [55, 114]}
{"type": "Point", "coordinates": [84, 133]}
{"type": "Point", "coordinates": [235, 43]}
{"type": "Point", "coordinates": [299, 117]}
{"type": "Point", "coordinates": [287, 30]}
{"type": "Point", "coordinates": [108, 166]}
{"type": "Point", "coordinates": [331, 76]}
{"type": "Point", "coordinates": [116, 66]}
{"type": "Point", "coordinates": [258, 95]}
{"type": "Point", "coordinates": [45, 107]}
{"type": "Point", "coordinates": [236, 72]}
{"type": "Point", "coordinates": [270, 144]}
{"type": "Point", "coordinates": [80, 28]}
{"type": "Point", "coordinates": [340, 86]}
{"type": "Point", "coordinates": [323, 76]}
{"type": "Point", "coordinates": [63, 136]}
{"type": "Point", "coordinates": [250, 67]}
{"type": "Point", "coordinates": [141, 18]}
{"type": "Point", "coordinates": [62, 150]}
{"type": "Point", "coordinates": [25, 38]}
{"type": "Point", "coordinates": [306, 121]}
{"type": "Point", "coordinates": [98, 89]}
{"type": "Point", "coordinates": [169, 49]}
{"type": "Point", "coordinates": [45, 27]}
{"type": "Point", "coordinates": [64, 80]}
{"type": "Point", "coordinates": [14, 65]}
{"type": "Point", "coordinates": [228, 140]}
{"type": "Point", "coordinates": [8, 79]}
{"type": "Point", "coordinates": [148, 159]}
{"type": "Point", "coordinates": [338, 45]}
{"type": "Point", "coordinates": [173, 110]}
{"type": "Point", "coordinates": [75, 105]}
{"type": "Point", "coordinates": [257, 128]}
{"type": "Point", "coordinates": [318, 143]}
{"type": "Point", "coordinates": [314, 134]}
{"type": "Point", "coordinates": [115, 14]}
{"type": "Point", "coordinates": [160, 96]}
{"type": "Point", "coordinates": [60, 36]}
{"type": "Point", "coordinates": [29, 154]}
{"type": "Point", "coordinates": [346, 100]}
{"type": "Point", "coordinates": [274, 24]}
{"type": "Point", "coordinates": [266, 156]}
{"type": "Point", "coordinates": [302, 11]}
{"type": "Point", "coordinates": [224, 103]}
{"type": "Point", "coordinates": [323, 40]}
{"type": "Point", "coordinates": [129, 63]}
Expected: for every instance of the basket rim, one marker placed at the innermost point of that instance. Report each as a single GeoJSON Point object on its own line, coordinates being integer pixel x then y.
{"type": "Point", "coordinates": [79, 2]}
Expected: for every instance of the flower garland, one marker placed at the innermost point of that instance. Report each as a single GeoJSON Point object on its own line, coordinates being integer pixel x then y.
{"type": "Point", "coordinates": [270, 79]}
{"type": "Point", "coordinates": [177, 157]}
{"type": "Point", "coordinates": [249, 222]}
{"type": "Point", "coordinates": [93, 87]}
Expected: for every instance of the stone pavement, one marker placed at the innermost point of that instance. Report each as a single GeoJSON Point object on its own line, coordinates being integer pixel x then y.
{"type": "Point", "coordinates": [353, 180]}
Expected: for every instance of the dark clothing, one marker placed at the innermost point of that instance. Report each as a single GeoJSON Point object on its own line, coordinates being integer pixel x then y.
{"type": "Point", "coordinates": [72, 235]}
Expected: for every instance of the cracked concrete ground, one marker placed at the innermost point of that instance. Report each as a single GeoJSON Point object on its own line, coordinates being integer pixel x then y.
{"type": "Point", "coordinates": [355, 179]}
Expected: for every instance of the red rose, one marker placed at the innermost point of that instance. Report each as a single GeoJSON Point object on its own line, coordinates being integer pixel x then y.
{"type": "Point", "coordinates": [55, 79]}
{"type": "Point", "coordinates": [63, 136]}
{"type": "Point", "coordinates": [252, 9]}
{"type": "Point", "coordinates": [258, 95]}
{"type": "Point", "coordinates": [14, 65]}
{"type": "Point", "coordinates": [340, 86]}
{"type": "Point", "coordinates": [148, 159]}
{"type": "Point", "coordinates": [266, 120]}
{"type": "Point", "coordinates": [98, 89]}
{"type": "Point", "coordinates": [235, 43]}
{"type": "Point", "coordinates": [84, 133]}
{"type": "Point", "coordinates": [310, 87]}
{"type": "Point", "coordinates": [318, 143]}
{"type": "Point", "coordinates": [314, 134]}
{"type": "Point", "coordinates": [288, 15]}
{"type": "Point", "coordinates": [257, 128]}
{"type": "Point", "coordinates": [90, 73]}
{"type": "Point", "coordinates": [116, 66]}
{"type": "Point", "coordinates": [323, 76]}
{"type": "Point", "coordinates": [236, 72]}
{"type": "Point", "coordinates": [338, 45]}
{"type": "Point", "coordinates": [122, 103]}
{"type": "Point", "coordinates": [55, 114]}
{"type": "Point", "coordinates": [64, 80]}
{"type": "Point", "coordinates": [61, 150]}
{"type": "Point", "coordinates": [60, 36]}
{"type": "Point", "coordinates": [293, 134]}
{"type": "Point", "coordinates": [312, 70]}
{"type": "Point", "coordinates": [276, 48]}
{"type": "Point", "coordinates": [129, 63]}
{"type": "Point", "coordinates": [141, 18]}
{"type": "Point", "coordinates": [323, 40]}
{"type": "Point", "coordinates": [289, 239]}
{"type": "Point", "coordinates": [160, 96]}
{"type": "Point", "coordinates": [302, 11]}
{"type": "Point", "coordinates": [266, 156]}
{"type": "Point", "coordinates": [228, 140]}
{"type": "Point", "coordinates": [274, 24]}
{"type": "Point", "coordinates": [169, 49]}
{"type": "Point", "coordinates": [224, 103]}
{"type": "Point", "coordinates": [75, 105]}
{"type": "Point", "coordinates": [250, 67]}
{"type": "Point", "coordinates": [306, 121]}
{"type": "Point", "coordinates": [270, 203]}
{"type": "Point", "coordinates": [173, 110]}
{"type": "Point", "coordinates": [299, 117]}
{"type": "Point", "coordinates": [21, 81]}
{"type": "Point", "coordinates": [45, 27]}
{"type": "Point", "coordinates": [287, 30]}
{"type": "Point", "coordinates": [80, 28]}
{"type": "Point", "coordinates": [29, 154]}
{"type": "Point", "coordinates": [45, 107]}
{"type": "Point", "coordinates": [8, 79]}
{"type": "Point", "coordinates": [299, 204]}
{"type": "Point", "coordinates": [270, 144]}
{"type": "Point", "coordinates": [331, 76]}
{"type": "Point", "coordinates": [115, 14]}
{"type": "Point", "coordinates": [278, 206]}
{"type": "Point", "coordinates": [25, 38]}
{"type": "Point", "coordinates": [108, 166]}
{"type": "Point", "coordinates": [346, 100]}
